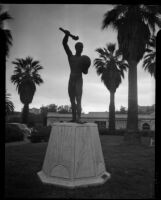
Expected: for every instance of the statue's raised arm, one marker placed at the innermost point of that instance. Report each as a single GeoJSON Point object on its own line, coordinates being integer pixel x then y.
{"type": "Point", "coordinates": [69, 34]}
{"type": "Point", "coordinates": [65, 41]}
{"type": "Point", "coordinates": [65, 44]}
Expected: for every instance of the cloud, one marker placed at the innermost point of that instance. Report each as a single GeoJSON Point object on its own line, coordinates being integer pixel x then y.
{"type": "Point", "coordinates": [37, 34]}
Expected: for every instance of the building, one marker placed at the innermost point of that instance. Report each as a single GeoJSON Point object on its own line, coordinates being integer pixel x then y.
{"type": "Point", "coordinates": [146, 109]}
{"type": "Point", "coordinates": [146, 121]}
{"type": "Point", "coordinates": [35, 110]}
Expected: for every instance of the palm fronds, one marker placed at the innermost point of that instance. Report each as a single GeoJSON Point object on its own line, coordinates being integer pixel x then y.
{"type": "Point", "coordinates": [9, 104]}
{"type": "Point", "coordinates": [149, 62]}
{"type": "Point", "coordinates": [110, 66]}
{"type": "Point", "coordinates": [26, 69]}
{"type": "Point", "coordinates": [5, 34]}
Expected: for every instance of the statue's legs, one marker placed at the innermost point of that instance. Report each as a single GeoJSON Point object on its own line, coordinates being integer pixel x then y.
{"type": "Point", "coordinates": [73, 104]}
{"type": "Point", "coordinates": [79, 86]}
{"type": "Point", "coordinates": [78, 108]}
{"type": "Point", "coordinates": [75, 93]}
{"type": "Point", "coordinates": [71, 92]}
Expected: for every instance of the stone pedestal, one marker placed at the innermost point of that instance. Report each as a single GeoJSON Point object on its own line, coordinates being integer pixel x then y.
{"type": "Point", "coordinates": [74, 156]}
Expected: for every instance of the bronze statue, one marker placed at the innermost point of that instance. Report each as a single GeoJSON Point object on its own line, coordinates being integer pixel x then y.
{"type": "Point", "coordinates": [78, 64]}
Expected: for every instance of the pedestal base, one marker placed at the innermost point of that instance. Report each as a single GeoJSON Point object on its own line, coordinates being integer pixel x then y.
{"type": "Point", "coordinates": [74, 156]}
{"type": "Point", "coordinates": [75, 183]}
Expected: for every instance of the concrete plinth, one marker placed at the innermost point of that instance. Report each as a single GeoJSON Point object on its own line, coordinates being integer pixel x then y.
{"type": "Point", "coordinates": [74, 156]}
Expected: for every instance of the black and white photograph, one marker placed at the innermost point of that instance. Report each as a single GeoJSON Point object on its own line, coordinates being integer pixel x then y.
{"type": "Point", "coordinates": [80, 98]}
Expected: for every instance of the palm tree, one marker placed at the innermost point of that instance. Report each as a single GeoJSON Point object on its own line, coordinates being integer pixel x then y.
{"type": "Point", "coordinates": [111, 69]}
{"type": "Point", "coordinates": [5, 38]}
{"type": "Point", "coordinates": [149, 62]}
{"type": "Point", "coordinates": [133, 23]}
{"type": "Point", "coordinates": [9, 104]}
{"type": "Point", "coordinates": [26, 78]}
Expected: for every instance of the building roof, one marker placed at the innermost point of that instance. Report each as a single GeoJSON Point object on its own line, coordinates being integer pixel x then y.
{"type": "Point", "coordinates": [100, 115]}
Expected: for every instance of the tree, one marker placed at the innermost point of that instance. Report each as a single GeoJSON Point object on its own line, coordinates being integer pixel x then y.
{"type": "Point", "coordinates": [149, 62]}
{"type": "Point", "coordinates": [9, 104]}
{"type": "Point", "coordinates": [52, 108]}
{"type": "Point", "coordinates": [111, 69]}
{"type": "Point", "coordinates": [64, 109]}
{"type": "Point", "coordinates": [44, 111]}
{"type": "Point", "coordinates": [5, 38]}
{"type": "Point", "coordinates": [26, 77]}
{"type": "Point", "coordinates": [123, 110]}
{"type": "Point", "coordinates": [133, 23]}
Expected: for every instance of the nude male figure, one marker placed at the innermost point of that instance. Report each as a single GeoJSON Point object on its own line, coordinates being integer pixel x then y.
{"type": "Point", "coordinates": [75, 80]}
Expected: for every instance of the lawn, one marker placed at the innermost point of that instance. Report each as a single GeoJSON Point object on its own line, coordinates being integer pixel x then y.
{"type": "Point", "coordinates": [132, 171]}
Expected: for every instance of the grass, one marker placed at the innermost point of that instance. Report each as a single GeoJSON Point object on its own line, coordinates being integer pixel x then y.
{"type": "Point", "coordinates": [132, 171]}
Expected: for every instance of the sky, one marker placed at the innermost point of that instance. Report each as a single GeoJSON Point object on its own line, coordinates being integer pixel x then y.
{"type": "Point", "coordinates": [35, 32]}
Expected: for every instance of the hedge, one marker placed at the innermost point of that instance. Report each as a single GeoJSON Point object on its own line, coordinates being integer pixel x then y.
{"type": "Point", "coordinates": [105, 131]}
{"type": "Point", "coordinates": [40, 135]}
{"type": "Point", "coordinates": [43, 134]}
{"type": "Point", "coordinates": [13, 134]}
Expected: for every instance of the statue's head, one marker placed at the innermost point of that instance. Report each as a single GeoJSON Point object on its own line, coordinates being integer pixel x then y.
{"type": "Point", "coordinates": [79, 47]}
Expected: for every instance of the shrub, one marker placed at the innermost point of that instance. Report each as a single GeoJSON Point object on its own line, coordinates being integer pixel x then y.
{"type": "Point", "coordinates": [147, 133]}
{"type": "Point", "coordinates": [105, 131]}
{"type": "Point", "coordinates": [14, 119]}
{"type": "Point", "coordinates": [13, 134]}
{"type": "Point", "coordinates": [40, 135]}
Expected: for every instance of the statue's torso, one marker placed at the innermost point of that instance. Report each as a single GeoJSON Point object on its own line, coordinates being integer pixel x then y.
{"type": "Point", "coordinates": [74, 62]}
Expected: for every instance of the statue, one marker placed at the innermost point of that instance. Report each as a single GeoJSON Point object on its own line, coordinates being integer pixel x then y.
{"type": "Point", "coordinates": [70, 159]}
{"type": "Point", "coordinates": [78, 65]}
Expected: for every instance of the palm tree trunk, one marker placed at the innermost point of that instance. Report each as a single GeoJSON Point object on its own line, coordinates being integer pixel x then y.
{"type": "Point", "coordinates": [132, 120]}
{"type": "Point", "coordinates": [132, 135]}
{"type": "Point", "coordinates": [112, 112]}
{"type": "Point", "coordinates": [25, 114]}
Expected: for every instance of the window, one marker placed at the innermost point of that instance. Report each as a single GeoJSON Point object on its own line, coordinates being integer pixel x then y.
{"type": "Point", "coordinates": [146, 126]}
